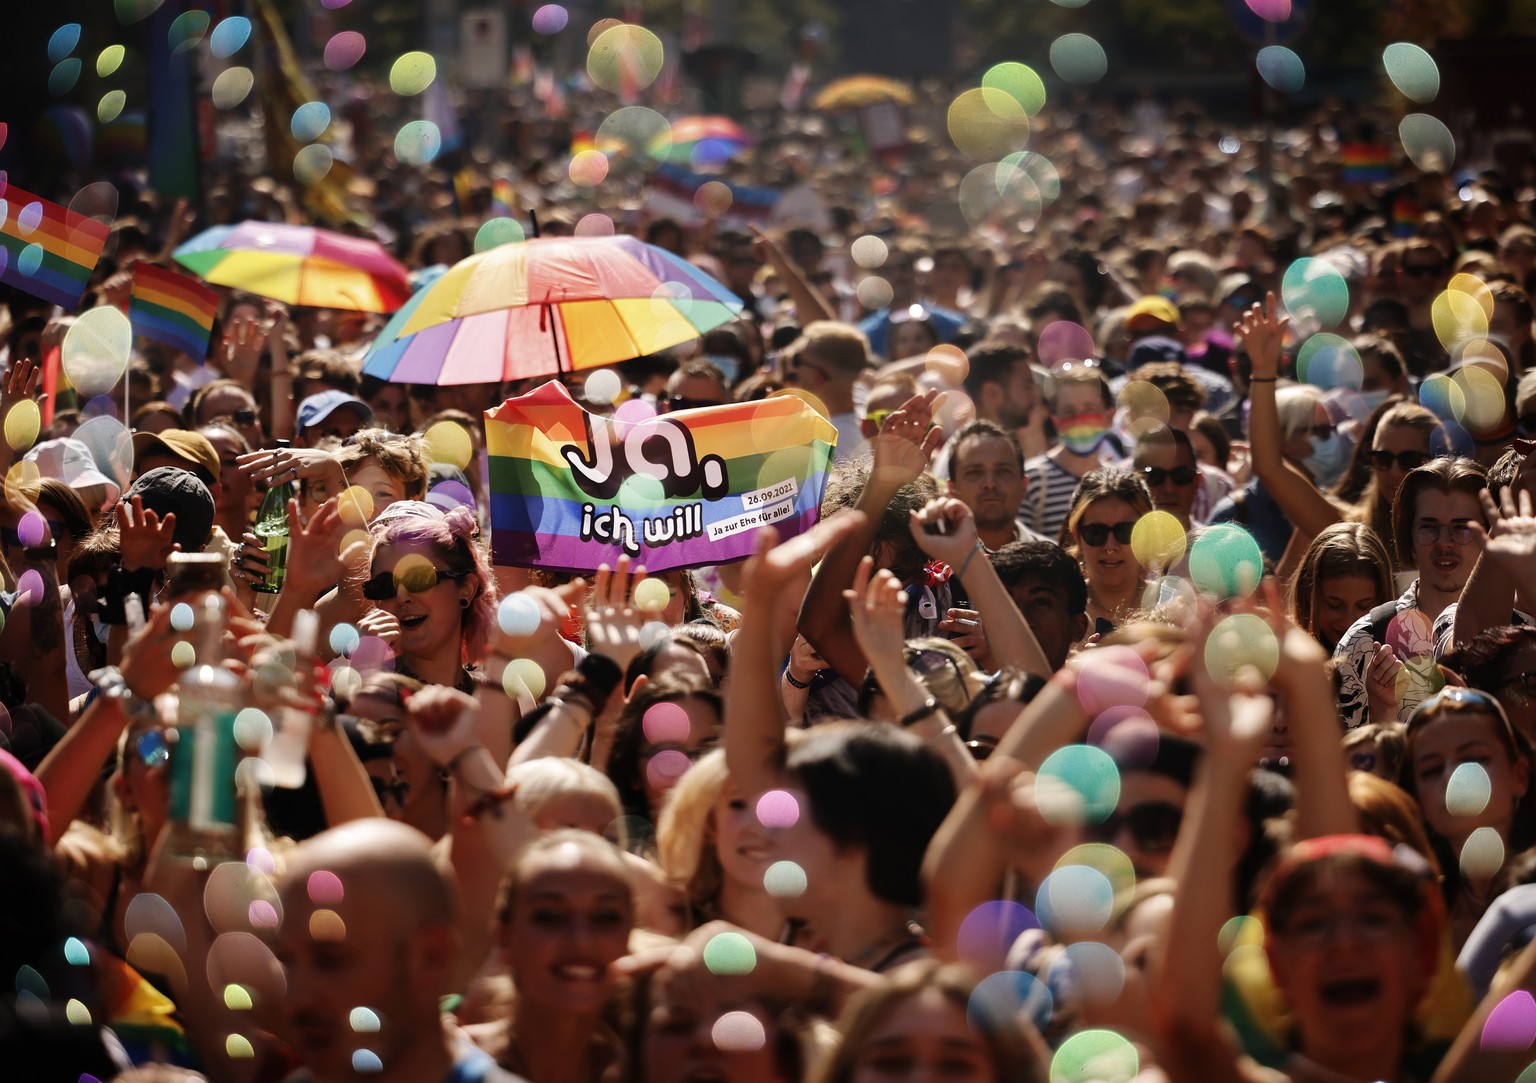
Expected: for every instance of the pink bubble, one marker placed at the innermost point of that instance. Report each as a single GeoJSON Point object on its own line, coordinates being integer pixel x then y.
{"type": "Point", "coordinates": [666, 724]}
{"type": "Point", "coordinates": [344, 50]}
{"type": "Point", "coordinates": [261, 860]}
{"type": "Point", "coordinates": [1117, 678]}
{"type": "Point", "coordinates": [29, 587]}
{"type": "Point", "coordinates": [32, 529]}
{"type": "Point", "coordinates": [550, 19]}
{"type": "Point", "coordinates": [262, 914]}
{"type": "Point", "coordinates": [371, 655]}
{"type": "Point", "coordinates": [1512, 1023]}
{"type": "Point", "coordinates": [596, 224]}
{"type": "Point", "coordinates": [778, 809]}
{"type": "Point", "coordinates": [1064, 341]}
{"type": "Point", "coordinates": [1128, 734]}
{"type": "Point", "coordinates": [632, 411]}
{"type": "Point", "coordinates": [989, 931]}
{"type": "Point", "coordinates": [1274, 11]}
{"type": "Point", "coordinates": [324, 888]}
{"type": "Point", "coordinates": [665, 768]}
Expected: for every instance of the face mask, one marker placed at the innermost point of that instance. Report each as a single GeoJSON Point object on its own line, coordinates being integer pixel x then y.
{"type": "Point", "coordinates": [1330, 455]}
{"type": "Point", "coordinates": [1083, 433]}
{"type": "Point", "coordinates": [1373, 399]}
{"type": "Point", "coordinates": [729, 367]}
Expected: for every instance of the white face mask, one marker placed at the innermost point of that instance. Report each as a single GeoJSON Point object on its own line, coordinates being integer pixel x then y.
{"type": "Point", "coordinates": [1330, 455]}
{"type": "Point", "coordinates": [1374, 399]}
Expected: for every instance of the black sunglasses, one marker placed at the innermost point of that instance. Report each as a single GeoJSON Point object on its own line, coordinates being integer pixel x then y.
{"type": "Point", "coordinates": [1181, 475]}
{"type": "Point", "coordinates": [1154, 825]}
{"type": "Point", "coordinates": [12, 535]}
{"type": "Point", "coordinates": [417, 579]}
{"type": "Point", "coordinates": [677, 402]}
{"type": "Point", "coordinates": [244, 417]}
{"type": "Point", "coordinates": [1407, 460]}
{"type": "Point", "coordinates": [1096, 534]}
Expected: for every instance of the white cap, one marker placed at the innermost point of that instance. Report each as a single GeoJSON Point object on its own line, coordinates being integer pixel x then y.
{"type": "Point", "coordinates": [71, 462]}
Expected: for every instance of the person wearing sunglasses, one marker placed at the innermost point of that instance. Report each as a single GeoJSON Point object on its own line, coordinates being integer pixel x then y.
{"type": "Point", "coordinates": [826, 361]}
{"type": "Point", "coordinates": [433, 594]}
{"type": "Point", "coordinates": [1098, 533]}
{"type": "Point", "coordinates": [1146, 820]}
{"type": "Point", "coordinates": [1165, 460]}
{"type": "Point", "coordinates": [695, 385]}
{"type": "Point", "coordinates": [227, 399]}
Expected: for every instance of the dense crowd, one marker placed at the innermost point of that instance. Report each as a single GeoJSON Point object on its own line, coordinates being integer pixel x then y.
{"type": "Point", "coordinates": [1154, 699]}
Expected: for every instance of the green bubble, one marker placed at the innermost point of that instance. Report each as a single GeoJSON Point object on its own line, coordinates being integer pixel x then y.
{"type": "Point", "coordinates": [784, 880]}
{"type": "Point", "coordinates": [412, 73]}
{"type": "Point", "coordinates": [1241, 641]}
{"type": "Point", "coordinates": [1315, 293]}
{"type": "Point", "coordinates": [1087, 772]}
{"type": "Point", "coordinates": [111, 106]}
{"type": "Point", "coordinates": [1330, 361]}
{"type": "Point", "coordinates": [188, 30]}
{"type": "Point", "coordinates": [109, 60]}
{"type": "Point", "coordinates": [1225, 561]}
{"type": "Point", "coordinates": [418, 142]}
{"type": "Point", "coordinates": [497, 232]}
{"type": "Point", "coordinates": [1020, 82]}
{"type": "Point", "coordinates": [1427, 141]}
{"type": "Point", "coordinates": [64, 77]}
{"type": "Point", "coordinates": [1077, 58]}
{"type": "Point", "coordinates": [730, 954]}
{"type": "Point", "coordinates": [1243, 929]}
{"type": "Point", "coordinates": [1281, 68]}
{"type": "Point", "coordinates": [237, 998]}
{"type": "Point", "coordinates": [1095, 1056]}
{"type": "Point", "coordinates": [1412, 70]}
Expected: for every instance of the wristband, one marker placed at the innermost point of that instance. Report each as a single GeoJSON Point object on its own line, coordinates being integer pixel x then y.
{"type": "Point", "coordinates": [1263, 379]}
{"type": "Point", "coordinates": [790, 677]}
{"type": "Point", "coordinates": [929, 708]}
{"type": "Point", "coordinates": [602, 673]}
{"type": "Point", "coordinates": [966, 563]}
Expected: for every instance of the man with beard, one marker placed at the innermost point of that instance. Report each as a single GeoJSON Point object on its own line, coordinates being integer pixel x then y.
{"type": "Point", "coordinates": [986, 474]}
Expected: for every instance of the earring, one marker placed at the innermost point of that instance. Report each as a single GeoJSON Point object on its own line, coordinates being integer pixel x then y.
{"type": "Point", "coordinates": [463, 603]}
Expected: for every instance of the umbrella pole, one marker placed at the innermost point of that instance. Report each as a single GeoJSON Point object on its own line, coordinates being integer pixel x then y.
{"type": "Point", "coordinates": [554, 338]}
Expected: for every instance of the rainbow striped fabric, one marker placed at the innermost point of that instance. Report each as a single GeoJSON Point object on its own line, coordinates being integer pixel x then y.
{"type": "Point", "coordinates": [172, 309]}
{"type": "Point", "coordinates": [571, 490]}
{"type": "Point", "coordinates": [47, 250]}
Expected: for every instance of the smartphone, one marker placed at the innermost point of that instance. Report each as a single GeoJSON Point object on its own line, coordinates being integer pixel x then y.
{"type": "Point", "coordinates": [194, 573]}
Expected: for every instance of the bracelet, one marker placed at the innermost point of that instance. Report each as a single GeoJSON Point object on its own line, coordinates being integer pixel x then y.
{"type": "Point", "coordinates": [790, 677]}
{"type": "Point", "coordinates": [966, 563]}
{"type": "Point", "coordinates": [578, 701]}
{"type": "Point", "coordinates": [490, 801]}
{"type": "Point", "coordinates": [929, 708]}
{"type": "Point", "coordinates": [602, 672]}
{"type": "Point", "coordinates": [1263, 379]}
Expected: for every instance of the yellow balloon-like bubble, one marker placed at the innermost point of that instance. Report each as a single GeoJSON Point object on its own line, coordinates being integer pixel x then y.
{"type": "Point", "coordinates": [1142, 398]}
{"type": "Point", "coordinates": [232, 86]}
{"type": "Point", "coordinates": [1457, 316]}
{"type": "Point", "coordinates": [447, 442]}
{"type": "Point", "coordinates": [988, 124]}
{"type": "Point", "coordinates": [1483, 398]}
{"type": "Point", "coordinates": [1158, 540]}
{"type": "Point", "coordinates": [355, 506]}
{"type": "Point", "coordinates": [22, 424]}
{"type": "Point", "coordinates": [652, 595]}
{"type": "Point", "coordinates": [523, 673]}
{"type": "Point", "coordinates": [1474, 288]}
{"type": "Point", "coordinates": [625, 58]}
{"type": "Point", "coordinates": [412, 73]}
{"type": "Point", "coordinates": [1242, 641]}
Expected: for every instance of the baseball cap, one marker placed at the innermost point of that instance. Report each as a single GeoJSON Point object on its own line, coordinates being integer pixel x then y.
{"type": "Point", "coordinates": [166, 490]}
{"type": "Point", "coordinates": [70, 461]}
{"type": "Point", "coordinates": [317, 407]}
{"type": "Point", "coordinates": [190, 447]}
{"type": "Point", "coordinates": [1155, 348]}
{"type": "Point", "coordinates": [1152, 309]}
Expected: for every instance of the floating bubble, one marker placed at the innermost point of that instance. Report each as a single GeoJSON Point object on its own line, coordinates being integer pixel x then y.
{"type": "Point", "coordinates": [497, 232]}
{"type": "Point", "coordinates": [76, 953]}
{"type": "Point", "coordinates": [111, 106]}
{"type": "Point", "coordinates": [1118, 678]}
{"type": "Point", "coordinates": [1315, 293]}
{"type": "Point", "coordinates": [777, 809]}
{"type": "Point", "coordinates": [989, 931]}
{"type": "Point", "coordinates": [713, 198]}
{"type": "Point", "coordinates": [29, 218]}
{"type": "Point", "coordinates": [109, 60]}
{"type": "Point", "coordinates": [149, 914]}
{"type": "Point", "coordinates": [1468, 791]}
{"type": "Point", "coordinates": [131, 11]}
{"type": "Point", "coordinates": [523, 676]}
{"type": "Point", "coordinates": [1077, 784]}
{"type": "Point", "coordinates": [238, 1047]}
{"type": "Point", "coordinates": [625, 58]}
{"type": "Point", "coordinates": [518, 615]}
{"type": "Point", "coordinates": [1075, 901]}
{"type": "Point", "coordinates": [1458, 316]}
{"type": "Point", "coordinates": [729, 954]}
{"type": "Point", "coordinates": [1511, 1024]}
{"type": "Point", "coordinates": [1064, 341]}
{"type": "Point", "coordinates": [1281, 68]}
{"type": "Point", "coordinates": [182, 617]}
{"type": "Point", "coordinates": [344, 639]}
{"type": "Point", "coordinates": [784, 880]}
{"type": "Point", "coordinates": [312, 163]}
{"type": "Point", "coordinates": [1440, 395]}
{"type": "Point", "coordinates": [30, 260]}
{"type": "Point", "coordinates": [988, 124]}
{"type": "Point", "coordinates": [418, 142]}
{"type": "Point", "coordinates": [1241, 641]}
{"type": "Point", "coordinates": [96, 349]}
{"type": "Point", "coordinates": [1002, 194]}
{"type": "Point", "coordinates": [448, 442]}
{"type": "Point", "coordinates": [1109, 862]}
{"type": "Point", "coordinates": [664, 768]}
{"type": "Point", "coordinates": [237, 998]}
{"type": "Point", "coordinates": [1226, 561]}
{"type": "Point", "coordinates": [1018, 81]}
{"type": "Point", "coordinates": [1077, 58]}
{"type": "Point", "coordinates": [263, 915]}
{"type": "Point", "coordinates": [1412, 70]}
{"type": "Point", "coordinates": [253, 730]}
{"type": "Point", "coordinates": [1274, 11]}
{"type": "Point", "coordinates": [637, 134]}
{"type": "Point", "coordinates": [230, 36]}
{"type": "Point", "coordinates": [232, 86]}
{"type": "Point", "coordinates": [1008, 995]}
{"type": "Point", "coordinates": [344, 50]}
{"type": "Point", "coordinates": [325, 888]}
{"type": "Point", "coordinates": [873, 292]}
{"type": "Point", "coordinates": [310, 121]}
{"type": "Point", "coordinates": [1330, 361]}
{"type": "Point", "coordinates": [1482, 855]}
{"type": "Point", "coordinates": [366, 1061]}
{"type": "Point", "coordinates": [550, 19]}
{"type": "Point", "coordinates": [231, 889]}
{"type": "Point", "coordinates": [1095, 971]}
{"type": "Point", "coordinates": [652, 595]}
{"type": "Point", "coordinates": [738, 1032]}
{"type": "Point", "coordinates": [666, 724]}
{"type": "Point", "coordinates": [596, 224]}
{"type": "Point", "coordinates": [948, 363]}
{"type": "Point", "coordinates": [364, 1020]}
{"type": "Point", "coordinates": [588, 168]}
{"type": "Point", "coordinates": [1038, 168]}
{"type": "Point", "coordinates": [187, 30]}
{"type": "Point", "coordinates": [1095, 1056]}
{"type": "Point", "coordinates": [345, 681]}
{"type": "Point", "coordinates": [23, 424]}
{"type": "Point", "coordinates": [1158, 540]}
{"type": "Point", "coordinates": [64, 76]}
{"type": "Point", "coordinates": [602, 387]}
{"type": "Point", "coordinates": [869, 251]}
{"type": "Point", "coordinates": [1475, 288]}
{"type": "Point", "coordinates": [77, 1013]}
{"type": "Point", "coordinates": [1427, 142]}
{"type": "Point", "coordinates": [63, 42]}
{"type": "Point", "coordinates": [1482, 396]}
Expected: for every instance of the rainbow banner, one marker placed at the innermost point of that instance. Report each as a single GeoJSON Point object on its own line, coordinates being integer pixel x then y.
{"type": "Point", "coordinates": [45, 249]}
{"type": "Point", "coordinates": [571, 490]}
{"type": "Point", "coordinates": [172, 309]}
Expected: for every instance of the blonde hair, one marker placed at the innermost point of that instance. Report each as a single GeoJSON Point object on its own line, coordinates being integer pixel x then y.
{"type": "Point", "coordinates": [540, 782]}
{"type": "Point", "coordinates": [685, 831]}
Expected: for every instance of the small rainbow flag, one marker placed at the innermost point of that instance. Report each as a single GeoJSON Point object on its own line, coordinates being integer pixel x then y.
{"type": "Point", "coordinates": [571, 490]}
{"type": "Point", "coordinates": [1366, 163]}
{"type": "Point", "coordinates": [45, 249]}
{"type": "Point", "coordinates": [173, 309]}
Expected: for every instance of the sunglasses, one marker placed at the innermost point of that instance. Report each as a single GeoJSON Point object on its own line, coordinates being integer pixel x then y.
{"type": "Point", "coordinates": [418, 580]}
{"type": "Point", "coordinates": [1405, 460]}
{"type": "Point", "coordinates": [1153, 825]}
{"type": "Point", "coordinates": [677, 402]}
{"type": "Point", "coordinates": [391, 789]}
{"type": "Point", "coordinates": [1097, 534]}
{"type": "Point", "coordinates": [1429, 533]}
{"type": "Point", "coordinates": [1181, 475]}
{"type": "Point", "coordinates": [244, 417]}
{"type": "Point", "coordinates": [12, 535]}
{"type": "Point", "coordinates": [1454, 696]}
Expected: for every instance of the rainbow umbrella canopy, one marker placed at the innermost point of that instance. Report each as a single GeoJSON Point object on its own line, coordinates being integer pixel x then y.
{"type": "Point", "coordinates": [705, 141]}
{"type": "Point", "coordinates": [546, 306]}
{"type": "Point", "coordinates": [854, 91]}
{"type": "Point", "coordinates": [299, 265]}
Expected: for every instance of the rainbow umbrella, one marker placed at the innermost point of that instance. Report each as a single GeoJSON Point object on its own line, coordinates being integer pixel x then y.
{"type": "Point", "coordinates": [858, 90]}
{"type": "Point", "coordinates": [299, 265]}
{"type": "Point", "coordinates": [546, 306]}
{"type": "Point", "coordinates": [704, 141]}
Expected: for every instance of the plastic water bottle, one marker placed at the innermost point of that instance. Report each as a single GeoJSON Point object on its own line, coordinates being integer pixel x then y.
{"type": "Point", "coordinates": [205, 809]}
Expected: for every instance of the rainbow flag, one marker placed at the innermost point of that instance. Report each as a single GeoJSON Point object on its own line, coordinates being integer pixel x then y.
{"type": "Point", "coordinates": [45, 249]}
{"type": "Point", "coordinates": [571, 490]}
{"type": "Point", "coordinates": [173, 309]}
{"type": "Point", "coordinates": [1366, 163]}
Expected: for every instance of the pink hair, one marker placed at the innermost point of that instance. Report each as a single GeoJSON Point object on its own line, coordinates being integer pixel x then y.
{"type": "Point", "coordinates": [455, 537]}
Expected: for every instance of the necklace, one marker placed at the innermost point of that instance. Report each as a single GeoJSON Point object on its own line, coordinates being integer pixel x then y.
{"type": "Point", "coordinates": [878, 955]}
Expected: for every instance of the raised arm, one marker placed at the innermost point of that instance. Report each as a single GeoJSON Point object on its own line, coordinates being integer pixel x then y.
{"type": "Point", "coordinates": [810, 306]}
{"type": "Point", "coordinates": [901, 453]}
{"type": "Point", "coordinates": [1507, 566]}
{"type": "Point", "coordinates": [1308, 509]}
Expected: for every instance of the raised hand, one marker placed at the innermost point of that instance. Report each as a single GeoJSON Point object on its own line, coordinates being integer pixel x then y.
{"type": "Point", "coordinates": [776, 563]}
{"type": "Point", "coordinates": [384, 626]}
{"type": "Point", "coordinates": [1381, 669]}
{"type": "Point", "coordinates": [945, 529]}
{"type": "Point", "coordinates": [553, 607]}
{"type": "Point", "coordinates": [967, 632]}
{"type": "Point", "coordinates": [292, 464]}
{"type": "Point", "coordinates": [877, 607]}
{"type": "Point", "coordinates": [241, 349]}
{"type": "Point", "coordinates": [316, 560]}
{"type": "Point", "coordinates": [146, 540]}
{"type": "Point", "coordinates": [20, 383]}
{"type": "Point", "coordinates": [906, 442]}
{"type": "Point", "coordinates": [1511, 534]}
{"type": "Point", "coordinates": [1261, 330]}
{"type": "Point", "coordinates": [613, 622]}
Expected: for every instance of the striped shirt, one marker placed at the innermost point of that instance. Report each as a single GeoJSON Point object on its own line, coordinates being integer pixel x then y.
{"type": "Point", "coordinates": [1048, 497]}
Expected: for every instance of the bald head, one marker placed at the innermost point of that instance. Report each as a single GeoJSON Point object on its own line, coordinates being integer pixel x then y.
{"type": "Point", "coordinates": [383, 861]}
